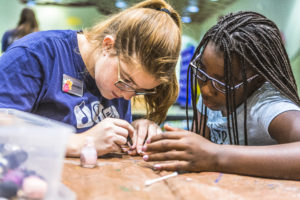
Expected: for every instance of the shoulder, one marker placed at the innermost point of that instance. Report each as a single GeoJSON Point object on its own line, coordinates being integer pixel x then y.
{"type": "Point", "coordinates": [43, 44]}
{"type": "Point", "coordinates": [38, 48]}
{"type": "Point", "coordinates": [9, 32]}
{"type": "Point", "coordinates": [39, 40]}
{"type": "Point", "coordinates": [7, 36]}
{"type": "Point", "coordinates": [267, 103]}
{"type": "Point", "coordinates": [269, 96]}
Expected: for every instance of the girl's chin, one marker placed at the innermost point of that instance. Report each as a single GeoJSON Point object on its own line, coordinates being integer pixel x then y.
{"type": "Point", "coordinates": [107, 95]}
{"type": "Point", "coordinates": [212, 106]}
{"type": "Point", "coordinates": [115, 96]}
{"type": "Point", "coordinates": [209, 105]}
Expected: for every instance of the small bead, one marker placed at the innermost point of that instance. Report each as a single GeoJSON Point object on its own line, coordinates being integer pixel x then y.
{"type": "Point", "coordinates": [34, 187]}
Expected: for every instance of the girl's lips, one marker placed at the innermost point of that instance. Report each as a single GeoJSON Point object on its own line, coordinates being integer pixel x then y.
{"type": "Point", "coordinates": [210, 105]}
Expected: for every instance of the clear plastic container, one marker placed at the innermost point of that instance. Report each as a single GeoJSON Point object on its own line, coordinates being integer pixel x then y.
{"type": "Point", "coordinates": [44, 140]}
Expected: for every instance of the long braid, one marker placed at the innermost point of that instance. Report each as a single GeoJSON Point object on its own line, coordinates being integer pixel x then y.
{"type": "Point", "coordinates": [191, 83]}
{"type": "Point", "coordinates": [245, 94]}
{"type": "Point", "coordinates": [231, 112]}
{"type": "Point", "coordinates": [257, 44]}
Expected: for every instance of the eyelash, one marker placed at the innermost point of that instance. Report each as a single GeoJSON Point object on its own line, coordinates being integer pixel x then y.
{"type": "Point", "coordinates": [202, 66]}
{"type": "Point", "coordinates": [125, 79]}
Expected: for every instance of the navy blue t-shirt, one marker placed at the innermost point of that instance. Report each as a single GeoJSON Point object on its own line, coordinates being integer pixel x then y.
{"type": "Point", "coordinates": [31, 76]}
{"type": "Point", "coordinates": [7, 39]}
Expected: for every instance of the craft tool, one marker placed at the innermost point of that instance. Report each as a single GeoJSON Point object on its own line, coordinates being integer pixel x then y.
{"type": "Point", "coordinates": [149, 182]}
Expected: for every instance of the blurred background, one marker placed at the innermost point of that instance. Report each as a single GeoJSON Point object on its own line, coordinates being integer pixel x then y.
{"type": "Point", "coordinates": [197, 17]}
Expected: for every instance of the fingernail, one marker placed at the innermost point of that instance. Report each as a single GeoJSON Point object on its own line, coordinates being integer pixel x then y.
{"type": "Point", "coordinates": [148, 141]}
{"type": "Point", "coordinates": [139, 151]}
{"type": "Point", "coordinates": [145, 157]}
{"type": "Point", "coordinates": [157, 166]}
{"type": "Point", "coordinates": [132, 147]}
{"type": "Point", "coordinates": [144, 148]}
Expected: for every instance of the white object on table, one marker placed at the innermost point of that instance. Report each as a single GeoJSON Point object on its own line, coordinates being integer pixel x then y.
{"type": "Point", "coordinates": [149, 182]}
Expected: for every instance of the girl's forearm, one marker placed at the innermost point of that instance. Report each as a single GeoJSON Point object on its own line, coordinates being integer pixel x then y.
{"type": "Point", "coordinates": [76, 142]}
{"type": "Point", "coordinates": [274, 161]}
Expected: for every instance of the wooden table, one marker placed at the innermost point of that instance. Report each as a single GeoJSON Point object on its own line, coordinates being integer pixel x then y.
{"type": "Point", "coordinates": [123, 177]}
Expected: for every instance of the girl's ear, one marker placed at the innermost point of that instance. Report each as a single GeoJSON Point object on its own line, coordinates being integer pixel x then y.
{"type": "Point", "coordinates": [108, 43]}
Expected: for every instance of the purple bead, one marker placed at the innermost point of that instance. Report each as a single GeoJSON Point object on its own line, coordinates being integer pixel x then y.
{"type": "Point", "coordinates": [15, 176]}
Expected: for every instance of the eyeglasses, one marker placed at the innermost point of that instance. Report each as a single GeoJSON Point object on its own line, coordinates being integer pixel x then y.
{"type": "Point", "coordinates": [218, 85]}
{"type": "Point", "coordinates": [122, 85]}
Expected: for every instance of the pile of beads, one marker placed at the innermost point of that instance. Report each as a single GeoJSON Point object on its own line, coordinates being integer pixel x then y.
{"type": "Point", "coordinates": [15, 180]}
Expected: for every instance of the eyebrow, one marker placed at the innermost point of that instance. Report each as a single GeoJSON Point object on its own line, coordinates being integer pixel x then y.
{"type": "Point", "coordinates": [128, 76]}
{"type": "Point", "coordinates": [216, 76]}
{"type": "Point", "coordinates": [136, 89]}
{"type": "Point", "coordinates": [122, 73]}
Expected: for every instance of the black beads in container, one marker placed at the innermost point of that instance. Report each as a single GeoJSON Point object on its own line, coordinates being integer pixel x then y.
{"type": "Point", "coordinates": [16, 180]}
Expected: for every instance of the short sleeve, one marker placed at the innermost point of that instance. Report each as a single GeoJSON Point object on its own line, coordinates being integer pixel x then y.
{"type": "Point", "coordinates": [266, 104]}
{"type": "Point", "coordinates": [4, 42]}
{"type": "Point", "coordinates": [264, 112]}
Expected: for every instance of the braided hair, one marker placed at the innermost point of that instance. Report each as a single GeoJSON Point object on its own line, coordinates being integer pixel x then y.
{"type": "Point", "coordinates": [256, 42]}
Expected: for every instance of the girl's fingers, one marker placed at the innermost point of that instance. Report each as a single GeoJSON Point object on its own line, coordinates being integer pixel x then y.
{"type": "Point", "coordinates": [125, 148]}
{"type": "Point", "coordinates": [142, 132]}
{"type": "Point", "coordinates": [167, 127]}
{"type": "Point", "coordinates": [167, 135]}
{"type": "Point", "coordinates": [152, 131]}
{"type": "Point", "coordinates": [172, 166]}
{"type": "Point", "coordinates": [121, 131]}
{"type": "Point", "coordinates": [120, 140]}
{"type": "Point", "coordinates": [115, 148]}
{"type": "Point", "coordinates": [171, 155]}
{"type": "Point", "coordinates": [158, 130]}
{"type": "Point", "coordinates": [132, 152]}
{"type": "Point", "coordinates": [124, 124]}
{"type": "Point", "coordinates": [164, 145]}
{"type": "Point", "coordinates": [134, 139]}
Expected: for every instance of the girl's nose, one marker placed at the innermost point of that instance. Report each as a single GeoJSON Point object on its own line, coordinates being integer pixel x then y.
{"type": "Point", "coordinates": [206, 89]}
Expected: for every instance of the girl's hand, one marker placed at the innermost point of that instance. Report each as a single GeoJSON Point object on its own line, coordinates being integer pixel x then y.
{"type": "Point", "coordinates": [187, 151]}
{"type": "Point", "coordinates": [144, 130]}
{"type": "Point", "coordinates": [108, 136]}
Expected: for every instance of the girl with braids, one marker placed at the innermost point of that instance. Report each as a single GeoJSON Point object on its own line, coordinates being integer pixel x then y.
{"type": "Point", "coordinates": [27, 24]}
{"type": "Point", "coordinates": [247, 118]}
{"type": "Point", "coordinates": [86, 79]}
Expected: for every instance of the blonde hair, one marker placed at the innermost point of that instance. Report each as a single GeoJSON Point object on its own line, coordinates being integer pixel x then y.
{"type": "Point", "coordinates": [150, 32]}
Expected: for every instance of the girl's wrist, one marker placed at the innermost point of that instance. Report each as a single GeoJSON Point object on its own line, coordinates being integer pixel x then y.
{"type": "Point", "coordinates": [74, 145]}
{"type": "Point", "coordinates": [218, 158]}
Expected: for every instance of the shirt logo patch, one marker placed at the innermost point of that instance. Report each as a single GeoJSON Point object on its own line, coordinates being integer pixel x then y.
{"type": "Point", "coordinates": [67, 85]}
{"type": "Point", "coordinates": [72, 85]}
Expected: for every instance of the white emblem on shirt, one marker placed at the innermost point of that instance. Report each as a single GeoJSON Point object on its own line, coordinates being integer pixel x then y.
{"type": "Point", "coordinates": [86, 117]}
{"type": "Point", "coordinates": [83, 116]}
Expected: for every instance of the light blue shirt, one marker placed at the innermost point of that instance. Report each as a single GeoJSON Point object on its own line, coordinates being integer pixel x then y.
{"type": "Point", "coordinates": [262, 107]}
